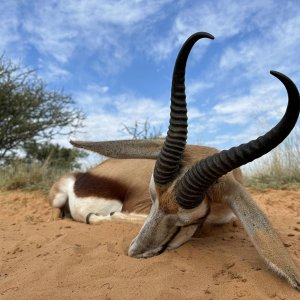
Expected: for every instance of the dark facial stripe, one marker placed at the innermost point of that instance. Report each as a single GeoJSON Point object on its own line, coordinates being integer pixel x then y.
{"type": "Point", "coordinates": [87, 185]}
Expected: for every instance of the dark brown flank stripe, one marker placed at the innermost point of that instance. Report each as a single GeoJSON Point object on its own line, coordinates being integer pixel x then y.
{"type": "Point", "coordinates": [90, 185]}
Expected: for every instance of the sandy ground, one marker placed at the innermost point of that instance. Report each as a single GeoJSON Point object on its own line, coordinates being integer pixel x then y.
{"type": "Point", "coordinates": [64, 259]}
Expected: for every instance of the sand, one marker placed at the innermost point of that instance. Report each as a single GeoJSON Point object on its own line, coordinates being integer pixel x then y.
{"type": "Point", "coordinates": [64, 259]}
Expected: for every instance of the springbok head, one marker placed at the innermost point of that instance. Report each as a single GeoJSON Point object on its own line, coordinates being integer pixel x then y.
{"type": "Point", "coordinates": [187, 178]}
{"type": "Point", "coordinates": [179, 190]}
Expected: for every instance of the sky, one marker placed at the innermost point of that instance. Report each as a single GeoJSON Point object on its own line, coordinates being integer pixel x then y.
{"type": "Point", "coordinates": [115, 58]}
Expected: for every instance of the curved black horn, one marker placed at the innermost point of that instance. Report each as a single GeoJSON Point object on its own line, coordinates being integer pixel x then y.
{"type": "Point", "coordinates": [168, 162]}
{"type": "Point", "coordinates": [191, 189]}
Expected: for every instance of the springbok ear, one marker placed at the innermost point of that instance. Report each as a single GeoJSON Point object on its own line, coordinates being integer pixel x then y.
{"type": "Point", "coordinates": [149, 149]}
{"type": "Point", "coordinates": [262, 234]}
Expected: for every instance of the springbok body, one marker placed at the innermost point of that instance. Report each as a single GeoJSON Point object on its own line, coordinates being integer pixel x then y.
{"type": "Point", "coordinates": [113, 189]}
{"type": "Point", "coordinates": [119, 189]}
{"type": "Point", "coordinates": [188, 181]}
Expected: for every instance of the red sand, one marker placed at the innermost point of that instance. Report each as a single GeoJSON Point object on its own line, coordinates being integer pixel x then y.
{"type": "Point", "coordinates": [64, 259]}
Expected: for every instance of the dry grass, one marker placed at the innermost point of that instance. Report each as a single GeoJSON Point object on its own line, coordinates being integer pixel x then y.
{"type": "Point", "coordinates": [280, 169]}
{"type": "Point", "coordinates": [30, 177]}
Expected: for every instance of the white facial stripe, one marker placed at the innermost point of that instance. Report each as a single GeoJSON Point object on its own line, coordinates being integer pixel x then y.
{"type": "Point", "coordinates": [152, 213]}
{"type": "Point", "coordinates": [152, 189]}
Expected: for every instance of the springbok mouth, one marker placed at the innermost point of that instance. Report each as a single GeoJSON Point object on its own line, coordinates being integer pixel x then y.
{"type": "Point", "coordinates": [165, 245]}
{"type": "Point", "coordinates": [159, 250]}
{"type": "Point", "coordinates": [199, 222]}
{"type": "Point", "coordinates": [152, 252]}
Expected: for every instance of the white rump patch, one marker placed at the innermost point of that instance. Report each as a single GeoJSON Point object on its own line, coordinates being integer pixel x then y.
{"type": "Point", "coordinates": [80, 207]}
{"type": "Point", "coordinates": [65, 185]}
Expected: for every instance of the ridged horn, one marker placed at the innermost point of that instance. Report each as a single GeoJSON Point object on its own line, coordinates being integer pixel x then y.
{"type": "Point", "coordinates": [168, 162]}
{"type": "Point", "coordinates": [191, 189]}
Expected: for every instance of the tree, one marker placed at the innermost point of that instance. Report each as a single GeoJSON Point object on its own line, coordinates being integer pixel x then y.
{"type": "Point", "coordinates": [53, 155]}
{"type": "Point", "coordinates": [29, 111]}
{"type": "Point", "coordinates": [142, 131]}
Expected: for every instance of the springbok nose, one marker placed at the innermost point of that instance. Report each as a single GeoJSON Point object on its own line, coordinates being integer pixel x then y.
{"type": "Point", "coordinates": [132, 251]}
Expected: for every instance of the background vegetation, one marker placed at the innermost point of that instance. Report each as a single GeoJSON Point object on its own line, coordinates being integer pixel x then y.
{"type": "Point", "coordinates": [31, 115]}
{"type": "Point", "coordinates": [280, 169]}
{"type": "Point", "coordinates": [29, 111]}
{"type": "Point", "coordinates": [42, 165]}
{"type": "Point", "coordinates": [142, 130]}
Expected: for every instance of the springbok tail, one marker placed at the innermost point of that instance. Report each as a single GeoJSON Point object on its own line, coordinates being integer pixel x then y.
{"type": "Point", "coordinates": [264, 237]}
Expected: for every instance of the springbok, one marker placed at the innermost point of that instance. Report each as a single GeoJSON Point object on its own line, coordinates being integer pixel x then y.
{"type": "Point", "coordinates": [191, 183]}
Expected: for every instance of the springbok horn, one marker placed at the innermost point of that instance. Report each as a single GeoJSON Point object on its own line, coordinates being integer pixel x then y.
{"type": "Point", "coordinates": [168, 162]}
{"type": "Point", "coordinates": [192, 187]}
